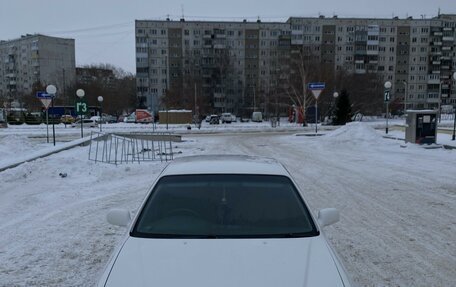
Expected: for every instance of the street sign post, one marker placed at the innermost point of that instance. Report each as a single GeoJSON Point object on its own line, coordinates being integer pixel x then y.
{"type": "Point", "coordinates": [316, 89]}
{"type": "Point", "coordinates": [81, 107]}
{"type": "Point", "coordinates": [46, 100]}
{"type": "Point", "coordinates": [386, 96]}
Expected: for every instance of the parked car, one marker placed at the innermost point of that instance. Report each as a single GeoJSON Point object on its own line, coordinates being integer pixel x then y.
{"type": "Point", "coordinates": [34, 118]}
{"type": "Point", "coordinates": [67, 119]}
{"type": "Point", "coordinates": [215, 120]}
{"type": "Point", "coordinates": [257, 117]}
{"type": "Point", "coordinates": [226, 118]}
{"type": "Point", "coordinates": [86, 123]}
{"type": "Point", "coordinates": [233, 118]}
{"type": "Point", "coordinates": [131, 118]}
{"type": "Point", "coordinates": [108, 119]}
{"type": "Point", "coordinates": [207, 119]}
{"type": "Point", "coordinates": [206, 215]}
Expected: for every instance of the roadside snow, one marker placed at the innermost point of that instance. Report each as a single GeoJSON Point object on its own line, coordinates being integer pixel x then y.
{"type": "Point", "coordinates": [397, 205]}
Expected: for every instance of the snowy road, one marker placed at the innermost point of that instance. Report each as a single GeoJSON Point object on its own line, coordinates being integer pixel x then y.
{"type": "Point", "coordinates": [398, 221]}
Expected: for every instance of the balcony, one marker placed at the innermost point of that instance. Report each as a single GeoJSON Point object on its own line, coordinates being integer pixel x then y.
{"type": "Point", "coordinates": [436, 62]}
{"type": "Point", "coordinates": [433, 79]}
{"type": "Point", "coordinates": [432, 100]}
{"type": "Point", "coordinates": [445, 67]}
{"type": "Point", "coordinates": [447, 48]}
{"type": "Point", "coordinates": [438, 33]}
{"type": "Point", "coordinates": [360, 71]}
{"type": "Point", "coordinates": [448, 39]}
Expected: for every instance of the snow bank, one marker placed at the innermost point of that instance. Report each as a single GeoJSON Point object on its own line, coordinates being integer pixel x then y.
{"type": "Point", "coordinates": [356, 132]}
{"type": "Point", "coordinates": [12, 145]}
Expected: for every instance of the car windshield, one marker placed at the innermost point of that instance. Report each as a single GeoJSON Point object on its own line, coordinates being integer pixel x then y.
{"type": "Point", "coordinates": [224, 206]}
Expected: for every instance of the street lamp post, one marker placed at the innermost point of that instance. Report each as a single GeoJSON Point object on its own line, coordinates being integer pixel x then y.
{"type": "Point", "coordinates": [335, 95]}
{"type": "Point", "coordinates": [405, 96]}
{"type": "Point", "coordinates": [454, 112]}
{"type": "Point", "coordinates": [440, 101]}
{"type": "Point", "coordinates": [51, 89]}
{"type": "Point", "coordinates": [80, 93]}
{"type": "Point", "coordinates": [386, 99]}
{"type": "Point", "coordinates": [100, 99]}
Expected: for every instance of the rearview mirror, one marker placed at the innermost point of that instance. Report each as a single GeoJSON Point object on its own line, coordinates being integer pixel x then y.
{"type": "Point", "coordinates": [328, 216]}
{"type": "Point", "coordinates": [120, 217]}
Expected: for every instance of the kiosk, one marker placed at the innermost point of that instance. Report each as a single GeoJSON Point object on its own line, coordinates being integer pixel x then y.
{"type": "Point", "coordinates": [421, 126]}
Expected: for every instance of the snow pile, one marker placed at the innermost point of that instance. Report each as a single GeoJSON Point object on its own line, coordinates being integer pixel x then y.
{"type": "Point", "coordinates": [14, 144]}
{"type": "Point", "coordinates": [355, 132]}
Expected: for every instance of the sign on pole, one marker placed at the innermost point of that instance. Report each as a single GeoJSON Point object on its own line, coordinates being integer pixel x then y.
{"type": "Point", "coordinates": [81, 107]}
{"type": "Point", "coordinates": [386, 96]}
{"type": "Point", "coordinates": [45, 99]}
{"type": "Point", "coordinates": [316, 88]}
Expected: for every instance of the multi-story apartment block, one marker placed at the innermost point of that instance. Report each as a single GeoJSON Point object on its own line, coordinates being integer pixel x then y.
{"type": "Point", "coordinates": [89, 75]}
{"type": "Point", "coordinates": [418, 56]}
{"type": "Point", "coordinates": [410, 53]}
{"type": "Point", "coordinates": [228, 62]}
{"type": "Point", "coordinates": [35, 59]}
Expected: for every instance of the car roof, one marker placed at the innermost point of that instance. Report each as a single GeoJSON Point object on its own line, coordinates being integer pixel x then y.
{"type": "Point", "coordinates": [225, 164]}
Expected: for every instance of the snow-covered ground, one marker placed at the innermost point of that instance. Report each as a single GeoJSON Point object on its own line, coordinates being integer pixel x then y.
{"type": "Point", "coordinates": [397, 202]}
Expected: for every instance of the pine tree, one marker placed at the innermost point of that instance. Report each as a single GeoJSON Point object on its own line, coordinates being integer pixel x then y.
{"type": "Point", "coordinates": [343, 109]}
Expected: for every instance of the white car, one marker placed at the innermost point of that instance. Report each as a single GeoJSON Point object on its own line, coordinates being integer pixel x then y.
{"type": "Point", "coordinates": [226, 118]}
{"type": "Point", "coordinates": [86, 123]}
{"type": "Point", "coordinates": [224, 221]}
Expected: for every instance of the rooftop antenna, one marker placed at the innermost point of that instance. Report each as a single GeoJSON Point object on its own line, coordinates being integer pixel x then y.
{"type": "Point", "coordinates": [438, 12]}
{"type": "Point", "coordinates": [182, 10]}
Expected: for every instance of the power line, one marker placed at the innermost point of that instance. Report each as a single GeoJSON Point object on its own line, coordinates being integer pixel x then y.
{"type": "Point", "coordinates": [104, 27]}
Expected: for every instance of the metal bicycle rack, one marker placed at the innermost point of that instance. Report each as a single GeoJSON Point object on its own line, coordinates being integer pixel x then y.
{"type": "Point", "coordinates": [120, 148]}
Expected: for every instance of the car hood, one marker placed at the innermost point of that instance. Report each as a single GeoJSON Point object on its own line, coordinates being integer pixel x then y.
{"type": "Point", "coordinates": [225, 262]}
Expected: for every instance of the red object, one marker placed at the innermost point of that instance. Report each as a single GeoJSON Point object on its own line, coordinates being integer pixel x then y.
{"type": "Point", "coordinates": [143, 116]}
{"type": "Point", "coordinates": [295, 114]}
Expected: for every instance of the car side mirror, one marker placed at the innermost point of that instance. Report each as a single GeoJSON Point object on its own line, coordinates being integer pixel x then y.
{"type": "Point", "coordinates": [120, 217]}
{"type": "Point", "coordinates": [328, 216]}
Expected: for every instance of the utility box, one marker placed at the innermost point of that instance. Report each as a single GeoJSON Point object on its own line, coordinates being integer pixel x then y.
{"type": "Point", "coordinates": [421, 126]}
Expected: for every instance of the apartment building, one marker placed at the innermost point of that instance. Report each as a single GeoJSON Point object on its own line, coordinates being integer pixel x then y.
{"type": "Point", "coordinates": [410, 53]}
{"type": "Point", "coordinates": [417, 56]}
{"type": "Point", "coordinates": [229, 62]}
{"type": "Point", "coordinates": [35, 58]}
{"type": "Point", "coordinates": [89, 75]}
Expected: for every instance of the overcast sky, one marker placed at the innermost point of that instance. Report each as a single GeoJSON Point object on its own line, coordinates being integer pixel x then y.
{"type": "Point", "coordinates": [104, 29]}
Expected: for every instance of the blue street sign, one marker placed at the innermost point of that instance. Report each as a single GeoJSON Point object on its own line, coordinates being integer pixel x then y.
{"type": "Point", "coordinates": [316, 86]}
{"type": "Point", "coordinates": [43, 95]}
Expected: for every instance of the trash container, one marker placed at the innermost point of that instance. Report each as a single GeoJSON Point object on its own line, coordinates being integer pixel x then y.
{"type": "Point", "coordinates": [421, 126]}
